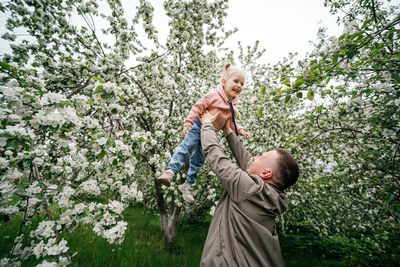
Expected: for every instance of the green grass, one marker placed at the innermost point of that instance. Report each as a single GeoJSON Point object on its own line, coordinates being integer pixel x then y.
{"type": "Point", "coordinates": [144, 245]}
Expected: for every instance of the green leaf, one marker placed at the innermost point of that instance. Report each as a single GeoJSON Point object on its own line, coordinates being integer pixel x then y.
{"type": "Point", "coordinates": [327, 79]}
{"type": "Point", "coordinates": [5, 66]}
{"type": "Point", "coordinates": [107, 95]}
{"type": "Point", "coordinates": [311, 74]}
{"type": "Point", "coordinates": [99, 89]}
{"type": "Point", "coordinates": [286, 82]}
{"type": "Point", "coordinates": [389, 197]}
{"type": "Point", "coordinates": [363, 190]}
{"type": "Point", "coordinates": [12, 145]}
{"type": "Point", "coordinates": [102, 154]}
{"type": "Point", "coordinates": [6, 135]}
{"type": "Point", "coordinates": [54, 129]}
{"type": "Point", "coordinates": [135, 145]}
{"type": "Point", "coordinates": [299, 95]}
{"type": "Point", "coordinates": [366, 22]}
{"type": "Point", "coordinates": [287, 98]}
{"type": "Point", "coordinates": [335, 59]}
{"type": "Point", "coordinates": [110, 143]}
{"type": "Point", "coordinates": [262, 92]}
{"type": "Point", "coordinates": [354, 35]}
{"type": "Point", "coordinates": [351, 52]}
{"type": "Point", "coordinates": [297, 83]}
{"type": "Point", "coordinates": [98, 217]}
{"type": "Point", "coordinates": [310, 95]}
{"type": "Point", "coordinates": [20, 165]}
{"type": "Point", "coordinates": [260, 112]}
{"type": "Point", "coordinates": [27, 145]}
{"type": "Point", "coordinates": [99, 79]}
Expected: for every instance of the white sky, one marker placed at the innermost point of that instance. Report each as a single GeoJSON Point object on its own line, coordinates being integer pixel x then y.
{"type": "Point", "coordinates": [281, 26]}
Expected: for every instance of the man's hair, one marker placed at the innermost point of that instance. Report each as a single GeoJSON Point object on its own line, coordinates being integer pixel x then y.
{"type": "Point", "coordinates": [288, 169]}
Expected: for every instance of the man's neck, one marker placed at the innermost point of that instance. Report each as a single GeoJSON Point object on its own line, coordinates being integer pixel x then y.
{"type": "Point", "coordinates": [271, 183]}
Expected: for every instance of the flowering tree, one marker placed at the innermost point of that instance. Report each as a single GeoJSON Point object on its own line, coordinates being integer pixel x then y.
{"type": "Point", "coordinates": [341, 120]}
{"type": "Point", "coordinates": [82, 133]}
{"type": "Point", "coordinates": [90, 117]}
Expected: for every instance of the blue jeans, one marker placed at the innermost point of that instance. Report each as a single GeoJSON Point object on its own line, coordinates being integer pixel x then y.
{"type": "Point", "coordinates": [183, 151]}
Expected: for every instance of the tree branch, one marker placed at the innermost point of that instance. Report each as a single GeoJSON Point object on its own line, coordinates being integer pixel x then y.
{"type": "Point", "coordinates": [134, 67]}
{"type": "Point", "coordinates": [80, 87]}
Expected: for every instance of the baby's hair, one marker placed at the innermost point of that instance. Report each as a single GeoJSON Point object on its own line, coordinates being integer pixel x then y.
{"type": "Point", "coordinates": [229, 70]}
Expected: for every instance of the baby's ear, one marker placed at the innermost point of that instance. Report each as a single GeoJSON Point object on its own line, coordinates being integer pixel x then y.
{"type": "Point", "coordinates": [223, 80]}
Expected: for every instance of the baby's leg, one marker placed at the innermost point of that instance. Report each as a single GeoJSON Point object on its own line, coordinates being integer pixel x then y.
{"type": "Point", "coordinates": [182, 152]}
{"type": "Point", "coordinates": [196, 163]}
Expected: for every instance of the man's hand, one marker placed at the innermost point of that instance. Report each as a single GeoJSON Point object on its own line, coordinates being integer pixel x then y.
{"type": "Point", "coordinates": [185, 129]}
{"type": "Point", "coordinates": [207, 117]}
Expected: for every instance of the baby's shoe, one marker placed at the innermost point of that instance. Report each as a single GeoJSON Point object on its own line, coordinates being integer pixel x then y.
{"type": "Point", "coordinates": [187, 192]}
{"type": "Point", "coordinates": [166, 177]}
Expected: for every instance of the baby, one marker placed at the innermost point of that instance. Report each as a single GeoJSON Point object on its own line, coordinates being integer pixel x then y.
{"type": "Point", "coordinates": [223, 99]}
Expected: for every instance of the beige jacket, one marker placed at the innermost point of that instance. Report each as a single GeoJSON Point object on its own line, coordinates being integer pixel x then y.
{"type": "Point", "coordinates": [242, 231]}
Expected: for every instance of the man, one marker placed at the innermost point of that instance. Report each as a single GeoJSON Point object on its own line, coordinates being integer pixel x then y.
{"type": "Point", "coordinates": [242, 231]}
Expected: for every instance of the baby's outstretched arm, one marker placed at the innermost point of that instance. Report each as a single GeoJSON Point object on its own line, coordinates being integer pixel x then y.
{"type": "Point", "coordinates": [241, 131]}
{"type": "Point", "coordinates": [248, 135]}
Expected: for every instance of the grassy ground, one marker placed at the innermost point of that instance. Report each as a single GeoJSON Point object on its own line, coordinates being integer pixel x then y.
{"type": "Point", "coordinates": [144, 245]}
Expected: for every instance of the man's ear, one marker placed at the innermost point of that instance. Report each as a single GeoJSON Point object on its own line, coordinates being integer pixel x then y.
{"type": "Point", "coordinates": [266, 174]}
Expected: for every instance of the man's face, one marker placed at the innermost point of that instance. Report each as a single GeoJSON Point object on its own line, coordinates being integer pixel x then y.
{"type": "Point", "coordinates": [267, 160]}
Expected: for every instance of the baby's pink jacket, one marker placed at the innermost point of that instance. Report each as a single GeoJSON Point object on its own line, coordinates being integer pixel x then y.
{"type": "Point", "coordinates": [214, 101]}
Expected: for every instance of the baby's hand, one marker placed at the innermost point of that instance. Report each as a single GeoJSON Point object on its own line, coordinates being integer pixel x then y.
{"type": "Point", "coordinates": [185, 129]}
{"type": "Point", "coordinates": [248, 135]}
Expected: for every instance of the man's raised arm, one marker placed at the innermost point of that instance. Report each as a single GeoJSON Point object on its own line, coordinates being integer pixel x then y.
{"type": "Point", "coordinates": [240, 153]}
{"type": "Point", "coordinates": [236, 181]}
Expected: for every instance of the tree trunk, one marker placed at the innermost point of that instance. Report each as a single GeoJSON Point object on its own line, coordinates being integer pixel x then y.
{"type": "Point", "coordinates": [169, 217]}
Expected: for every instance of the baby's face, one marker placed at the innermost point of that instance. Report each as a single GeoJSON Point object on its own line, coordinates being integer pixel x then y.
{"type": "Point", "coordinates": [234, 84]}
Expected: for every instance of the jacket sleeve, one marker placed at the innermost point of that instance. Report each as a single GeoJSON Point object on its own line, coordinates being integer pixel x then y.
{"type": "Point", "coordinates": [237, 182]}
{"type": "Point", "coordinates": [197, 110]}
{"type": "Point", "coordinates": [240, 153]}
